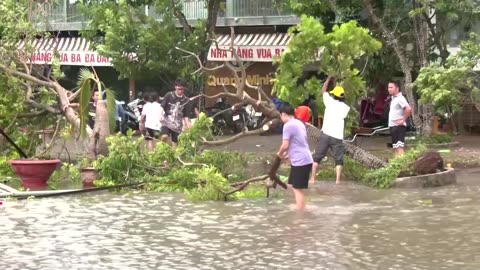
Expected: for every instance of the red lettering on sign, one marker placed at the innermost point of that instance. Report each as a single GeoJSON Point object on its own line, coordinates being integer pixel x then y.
{"type": "Point", "coordinates": [63, 58]}
{"type": "Point", "coordinates": [101, 59]}
{"type": "Point", "coordinates": [245, 53]}
{"type": "Point", "coordinates": [89, 58]}
{"type": "Point", "coordinates": [41, 57]}
{"type": "Point", "coordinates": [217, 53]}
{"type": "Point", "coordinates": [264, 53]}
{"type": "Point", "coordinates": [278, 51]}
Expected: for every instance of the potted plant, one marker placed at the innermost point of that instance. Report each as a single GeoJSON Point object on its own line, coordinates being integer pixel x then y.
{"type": "Point", "coordinates": [33, 171]}
{"type": "Point", "coordinates": [88, 173]}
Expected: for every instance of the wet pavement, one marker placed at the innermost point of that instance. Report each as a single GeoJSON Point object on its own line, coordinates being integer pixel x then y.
{"type": "Point", "coordinates": [345, 227]}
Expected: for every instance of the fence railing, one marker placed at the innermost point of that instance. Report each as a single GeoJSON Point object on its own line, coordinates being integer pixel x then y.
{"type": "Point", "coordinates": [65, 11]}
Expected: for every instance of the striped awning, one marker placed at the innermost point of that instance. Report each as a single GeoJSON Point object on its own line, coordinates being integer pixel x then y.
{"type": "Point", "coordinates": [73, 51]}
{"type": "Point", "coordinates": [249, 47]}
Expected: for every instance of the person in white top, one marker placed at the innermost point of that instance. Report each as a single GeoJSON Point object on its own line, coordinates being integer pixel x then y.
{"type": "Point", "coordinates": [150, 120]}
{"type": "Point", "coordinates": [399, 112]}
{"type": "Point", "coordinates": [332, 130]}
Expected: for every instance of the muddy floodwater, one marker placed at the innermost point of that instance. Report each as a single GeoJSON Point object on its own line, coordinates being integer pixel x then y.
{"type": "Point", "coordinates": [345, 227]}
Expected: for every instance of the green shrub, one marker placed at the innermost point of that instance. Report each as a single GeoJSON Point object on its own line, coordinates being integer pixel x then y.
{"type": "Point", "coordinates": [5, 167]}
{"type": "Point", "coordinates": [126, 160]}
{"type": "Point", "coordinates": [68, 173]}
{"type": "Point", "coordinates": [385, 177]}
{"type": "Point", "coordinates": [433, 139]}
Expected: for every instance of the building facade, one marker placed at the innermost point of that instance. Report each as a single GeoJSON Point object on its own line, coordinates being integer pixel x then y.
{"type": "Point", "coordinates": [260, 27]}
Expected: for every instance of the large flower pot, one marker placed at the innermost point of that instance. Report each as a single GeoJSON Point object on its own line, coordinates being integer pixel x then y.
{"type": "Point", "coordinates": [34, 173]}
{"type": "Point", "coordinates": [88, 176]}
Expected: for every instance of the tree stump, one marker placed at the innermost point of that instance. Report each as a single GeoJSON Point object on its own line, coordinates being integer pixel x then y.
{"type": "Point", "coordinates": [430, 162]}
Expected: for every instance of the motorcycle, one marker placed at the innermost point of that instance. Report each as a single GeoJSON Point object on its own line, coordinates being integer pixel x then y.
{"type": "Point", "coordinates": [239, 117]}
{"type": "Point", "coordinates": [254, 119]}
{"type": "Point", "coordinates": [226, 117]}
{"type": "Point", "coordinates": [133, 113]}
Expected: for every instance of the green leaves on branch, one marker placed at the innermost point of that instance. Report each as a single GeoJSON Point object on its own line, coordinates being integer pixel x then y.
{"type": "Point", "coordinates": [385, 177]}
{"type": "Point", "coordinates": [332, 53]}
{"type": "Point", "coordinates": [141, 46]}
{"type": "Point", "coordinates": [200, 174]}
{"type": "Point", "coordinates": [446, 87]}
{"type": "Point", "coordinates": [86, 79]}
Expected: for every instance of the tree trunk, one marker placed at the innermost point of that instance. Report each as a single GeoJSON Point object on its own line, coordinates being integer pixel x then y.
{"type": "Point", "coordinates": [131, 90]}
{"type": "Point", "coordinates": [101, 130]}
{"type": "Point", "coordinates": [356, 153]}
{"type": "Point", "coordinates": [427, 120]}
{"type": "Point", "coordinates": [460, 125]}
{"type": "Point", "coordinates": [364, 157]}
{"type": "Point", "coordinates": [406, 68]}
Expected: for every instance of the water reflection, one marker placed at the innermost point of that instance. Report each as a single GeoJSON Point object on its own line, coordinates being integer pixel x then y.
{"type": "Point", "coordinates": [345, 227]}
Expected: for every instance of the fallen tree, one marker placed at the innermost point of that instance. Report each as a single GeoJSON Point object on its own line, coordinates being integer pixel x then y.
{"type": "Point", "coordinates": [301, 52]}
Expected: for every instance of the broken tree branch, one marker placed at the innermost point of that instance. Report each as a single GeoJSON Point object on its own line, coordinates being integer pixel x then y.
{"type": "Point", "coordinates": [242, 134]}
{"type": "Point", "coordinates": [202, 67]}
{"type": "Point", "coordinates": [52, 140]}
{"type": "Point", "coordinates": [32, 114]}
{"type": "Point", "coordinates": [43, 107]}
{"type": "Point", "coordinates": [242, 185]}
{"type": "Point", "coordinates": [222, 94]}
{"type": "Point", "coordinates": [26, 76]}
{"type": "Point", "coordinates": [261, 93]}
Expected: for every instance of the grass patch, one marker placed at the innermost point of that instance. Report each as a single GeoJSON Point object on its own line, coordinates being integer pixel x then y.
{"type": "Point", "coordinates": [433, 139]}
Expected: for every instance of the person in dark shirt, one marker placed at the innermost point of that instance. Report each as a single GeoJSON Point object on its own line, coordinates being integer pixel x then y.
{"type": "Point", "coordinates": [192, 109]}
{"type": "Point", "coordinates": [311, 103]}
{"type": "Point", "coordinates": [174, 113]}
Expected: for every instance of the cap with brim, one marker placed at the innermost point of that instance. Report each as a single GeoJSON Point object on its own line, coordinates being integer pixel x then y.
{"type": "Point", "coordinates": [338, 92]}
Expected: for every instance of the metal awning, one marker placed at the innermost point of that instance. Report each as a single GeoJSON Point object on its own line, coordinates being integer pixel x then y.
{"type": "Point", "coordinates": [249, 47]}
{"type": "Point", "coordinates": [73, 51]}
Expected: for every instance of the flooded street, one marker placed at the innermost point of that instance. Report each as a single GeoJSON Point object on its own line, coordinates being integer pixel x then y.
{"type": "Point", "coordinates": [345, 227]}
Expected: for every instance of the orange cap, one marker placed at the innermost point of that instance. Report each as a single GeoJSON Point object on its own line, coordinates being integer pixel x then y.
{"type": "Point", "coordinates": [302, 113]}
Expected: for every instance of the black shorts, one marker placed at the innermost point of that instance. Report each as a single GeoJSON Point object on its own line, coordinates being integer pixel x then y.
{"type": "Point", "coordinates": [398, 136]}
{"type": "Point", "coordinates": [299, 176]}
{"type": "Point", "coordinates": [151, 134]}
{"type": "Point", "coordinates": [166, 131]}
{"type": "Point", "coordinates": [336, 147]}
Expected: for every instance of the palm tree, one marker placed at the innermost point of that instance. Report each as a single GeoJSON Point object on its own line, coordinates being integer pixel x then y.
{"type": "Point", "coordinates": [104, 112]}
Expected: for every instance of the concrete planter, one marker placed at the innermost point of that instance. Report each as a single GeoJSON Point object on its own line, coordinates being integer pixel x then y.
{"type": "Point", "coordinates": [444, 178]}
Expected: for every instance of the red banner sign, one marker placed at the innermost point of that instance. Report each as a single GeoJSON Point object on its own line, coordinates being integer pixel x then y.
{"type": "Point", "coordinates": [70, 58]}
{"type": "Point", "coordinates": [245, 53]}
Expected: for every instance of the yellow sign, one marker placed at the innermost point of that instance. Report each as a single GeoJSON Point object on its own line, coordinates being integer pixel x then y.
{"type": "Point", "coordinates": [251, 79]}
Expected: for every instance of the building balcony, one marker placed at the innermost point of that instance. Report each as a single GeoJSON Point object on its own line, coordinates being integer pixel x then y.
{"type": "Point", "coordinates": [66, 16]}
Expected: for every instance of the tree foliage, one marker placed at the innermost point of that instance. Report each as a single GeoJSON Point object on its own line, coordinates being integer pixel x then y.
{"type": "Point", "coordinates": [201, 174]}
{"type": "Point", "coordinates": [333, 53]}
{"type": "Point", "coordinates": [446, 87]}
{"type": "Point", "coordinates": [142, 46]}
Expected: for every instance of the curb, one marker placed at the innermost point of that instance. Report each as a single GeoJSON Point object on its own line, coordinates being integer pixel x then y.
{"type": "Point", "coordinates": [447, 177]}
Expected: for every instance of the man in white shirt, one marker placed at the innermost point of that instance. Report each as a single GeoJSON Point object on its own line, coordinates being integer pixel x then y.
{"type": "Point", "coordinates": [332, 130]}
{"type": "Point", "coordinates": [397, 117]}
{"type": "Point", "coordinates": [150, 120]}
